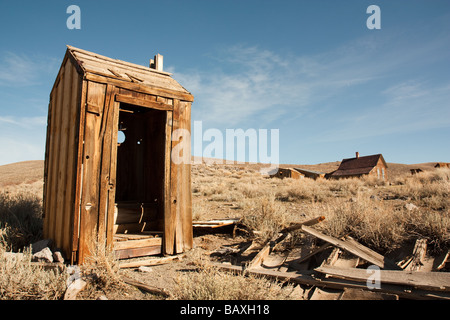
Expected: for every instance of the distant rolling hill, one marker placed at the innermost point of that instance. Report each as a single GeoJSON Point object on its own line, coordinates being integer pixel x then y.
{"type": "Point", "coordinates": [28, 172]}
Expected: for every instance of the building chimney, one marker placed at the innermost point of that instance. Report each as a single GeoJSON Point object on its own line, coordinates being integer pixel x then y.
{"type": "Point", "coordinates": [157, 62]}
{"type": "Point", "coordinates": [357, 155]}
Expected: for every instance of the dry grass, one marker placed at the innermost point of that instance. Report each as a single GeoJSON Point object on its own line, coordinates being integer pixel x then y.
{"type": "Point", "coordinates": [20, 220]}
{"type": "Point", "coordinates": [370, 210]}
{"type": "Point", "coordinates": [209, 283]}
{"type": "Point", "coordinates": [22, 280]}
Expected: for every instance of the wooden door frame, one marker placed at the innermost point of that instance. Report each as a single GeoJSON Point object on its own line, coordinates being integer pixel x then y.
{"type": "Point", "coordinates": [167, 162]}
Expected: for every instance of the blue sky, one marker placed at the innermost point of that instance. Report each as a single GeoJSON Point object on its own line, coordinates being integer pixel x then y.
{"type": "Point", "coordinates": [311, 69]}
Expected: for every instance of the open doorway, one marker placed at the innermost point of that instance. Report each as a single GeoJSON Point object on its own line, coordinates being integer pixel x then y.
{"type": "Point", "coordinates": [140, 179]}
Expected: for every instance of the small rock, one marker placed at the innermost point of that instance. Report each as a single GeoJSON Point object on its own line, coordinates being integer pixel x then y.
{"type": "Point", "coordinates": [374, 197]}
{"type": "Point", "coordinates": [57, 257]}
{"type": "Point", "coordinates": [38, 246]}
{"type": "Point", "coordinates": [144, 269]}
{"type": "Point", "coordinates": [410, 206]}
{"type": "Point", "coordinates": [102, 297]}
{"type": "Point", "coordinates": [45, 255]}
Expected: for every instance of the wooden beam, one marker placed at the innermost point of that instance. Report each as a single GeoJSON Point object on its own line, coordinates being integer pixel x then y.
{"type": "Point", "coordinates": [307, 278]}
{"type": "Point", "coordinates": [143, 88]}
{"type": "Point", "coordinates": [149, 262]}
{"type": "Point", "coordinates": [275, 241]}
{"type": "Point", "coordinates": [146, 287]}
{"type": "Point", "coordinates": [436, 281]}
{"type": "Point", "coordinates": [129, 244]}
{"type": "Point", "coordinates": [144, 103]}
{"type": "Point", "coordinates": [355, 248]}
{"type": "Point", "coordinates": [297, 226]}
{"type": "Point", "coordinates": [137, 252]}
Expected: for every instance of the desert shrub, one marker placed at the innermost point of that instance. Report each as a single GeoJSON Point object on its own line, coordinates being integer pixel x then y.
{"type": "Point", "coordinates": [430, 189]}
{"type": "Point", "coordinates": [21, 219]}
{"type": "Point", "coordinates": [101, 269]}
{"type": "Point", "coordinates": [374, 223]}
{"type": "Point", "coordinates": [266, 216]}
{"type": "Point", "coordinates": [433, 225]}
{"type": "Point", "coordinates": [303, 190]}
{"type": "Point", "coordinates": [22, 280]}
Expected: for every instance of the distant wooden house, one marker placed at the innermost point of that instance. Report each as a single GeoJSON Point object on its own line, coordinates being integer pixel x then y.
{"type": "Point", "coordinates": [297, 173]}
{"type": "Point", "coordinates": [287, 173]}
{"type": "Point", "coordinates": [442, 165]}
{"type": "Point", "coordinates": [373, 165]}
{"type": "Point", "coordinates": [310, 173]}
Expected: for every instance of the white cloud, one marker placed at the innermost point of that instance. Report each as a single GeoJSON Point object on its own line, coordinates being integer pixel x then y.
{"type": "Point", "coordinates": [25, 122]}
{"type": "Point", "coordinates": [22, 70]}
{"type": "Point", "coordinates": [249, 86]}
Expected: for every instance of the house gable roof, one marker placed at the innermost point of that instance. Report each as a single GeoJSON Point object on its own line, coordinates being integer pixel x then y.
{"type": "Point", "coordinates": [358, 166]}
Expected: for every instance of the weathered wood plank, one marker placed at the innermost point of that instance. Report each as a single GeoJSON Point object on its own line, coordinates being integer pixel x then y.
{"type": "Point", "coordinates": [106, 144]}
{"type": "Point", "coordinates": [137, 252]}
{"type": "Point", "coordinates": [146, 287]}
{"type": "Point", "coordinates": [149, 262]}
{"type": "Point", "coordinates": [356, 249]}
{"type": "Point", "coordinates": [439, 281]}
{"type": "Point", "coordinates": [276, 240]}
{"type": "Point", "coordinates": [70, 172]}
{"type": "Point", "coordinates": [144, 102]}
{"type": "Point", "coordinates": [92, 156]}
{"type": "Point", "coordinates": [79, 169]}
{"type": "Point", "coordinates": [185, 180]}
{"type": "Point", "coordinates": [121, 245]}
{"type": "Point", "coordinates": [170, 217]}
{"type": "Point", "coordinates": [306, 278]}
{"type": "Point", "coordinates": [140, 87]}
{"type": "Point", "coordinates": [55, 155]}
{"type": "Point", "coordinates": [113, 173]}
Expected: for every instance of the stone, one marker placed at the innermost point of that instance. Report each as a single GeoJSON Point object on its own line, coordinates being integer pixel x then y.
{"type": "Point", "coordinates": [45, 255]}
{"type": "Point", "coordinates": [57, 257]}
{"type": "Point", "coordinates": [410, 206]}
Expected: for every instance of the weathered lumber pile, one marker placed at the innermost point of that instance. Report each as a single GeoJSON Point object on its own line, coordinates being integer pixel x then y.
{"type": "Point", "coordinates": [342, 269]}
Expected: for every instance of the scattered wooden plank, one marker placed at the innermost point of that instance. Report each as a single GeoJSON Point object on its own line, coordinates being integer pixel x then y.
{"type": "Point", "coordinates": [279, 238]}
{"type": "Point", "coordinates": [121, 245]}
{"type": "Point", "coordinates": [145, 287]}
{"type": "Point", "coordinates": [137, 252]}
{"type": "Point", "coordinates": [149, 262]}
{"type": "Point", "coordinates": [443, 260]}
{"type": "Point", "coordinates": [419, 252]}
{"type": "Point", "coordinates": [214, 223]}
{"type": "Point", "coordinates": [311, 254]}
{"type": "Point", "coordinates": [436, 281]}
{"type": "Point", "coordinates": [297, 226]}
{"type": "Point", "coordinates": [307, 278]}
{"type": "Point", "coordinates": [354, 248]}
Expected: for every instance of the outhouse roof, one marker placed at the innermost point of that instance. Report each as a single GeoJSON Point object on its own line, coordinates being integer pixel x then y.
{"type": "Point", "coordinates": [93, 63]}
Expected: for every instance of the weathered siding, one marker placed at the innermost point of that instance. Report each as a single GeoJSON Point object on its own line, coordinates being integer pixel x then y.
{"type": "Point", "coordinates": [61, 157]}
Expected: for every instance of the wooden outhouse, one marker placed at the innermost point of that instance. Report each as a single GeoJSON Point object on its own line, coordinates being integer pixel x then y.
{"type": "Point", "coordinates": [109, 177]}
